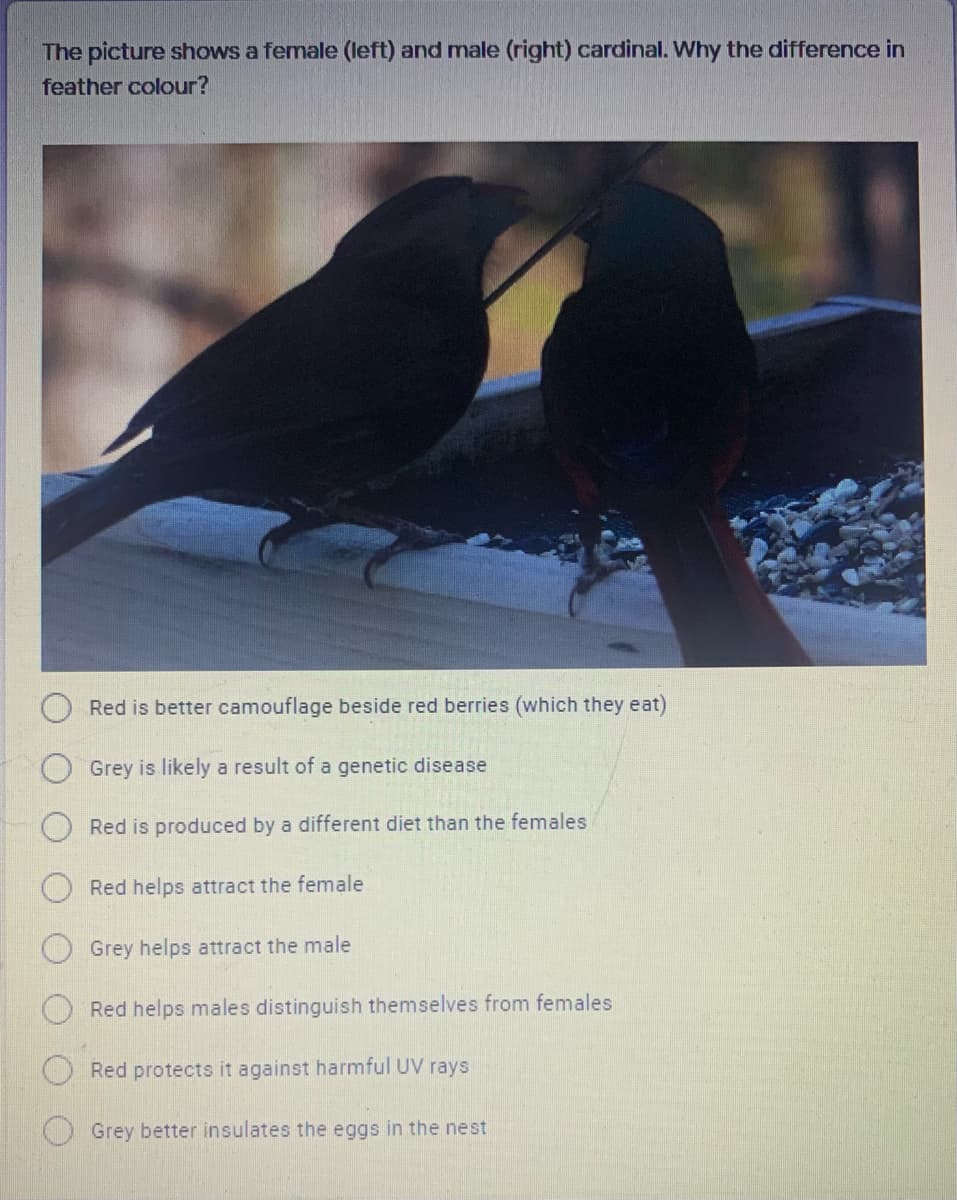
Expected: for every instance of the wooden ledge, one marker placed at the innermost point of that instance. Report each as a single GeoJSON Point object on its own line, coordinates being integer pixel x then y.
{"type": "Point", "coordinates": [178, 587]}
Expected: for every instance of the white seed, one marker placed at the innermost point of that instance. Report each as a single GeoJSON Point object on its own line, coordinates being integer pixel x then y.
{"type": "Point", "coordinates": [758, 551]}
{"type": "Point", "coordinates": [801, 527]}
{"type": "Point", "coordinates": [881, 488]}
{"type": "Point", "coordinates": [777, 523]}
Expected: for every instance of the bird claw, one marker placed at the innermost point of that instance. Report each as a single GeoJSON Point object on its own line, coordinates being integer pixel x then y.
{"type": "Point", "coordinates": [266, 542]}
{"type": "Point", "coordinates": [590, 574]}
{"type": "Point", "coordinates": [275, 538]}
{"type": "Point", "coordinates": [302, 518]}
{"type": "Point", "coordinates": [414, 537]}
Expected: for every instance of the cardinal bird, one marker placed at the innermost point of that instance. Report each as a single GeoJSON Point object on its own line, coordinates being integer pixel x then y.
{"type": "Point", "coordinates": [646, 381]}
{"type": "Point", "coordinates": [337, 383]}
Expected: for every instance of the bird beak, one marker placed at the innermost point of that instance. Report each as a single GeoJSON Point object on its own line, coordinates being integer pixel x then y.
{"type": "Point", "coordinates": [503, 205]}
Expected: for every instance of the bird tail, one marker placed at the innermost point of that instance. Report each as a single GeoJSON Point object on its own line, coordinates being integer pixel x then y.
{"type": "Point", "coordinates": [128, 485]}
{"type": "Point", "coordinates": [721, 616]}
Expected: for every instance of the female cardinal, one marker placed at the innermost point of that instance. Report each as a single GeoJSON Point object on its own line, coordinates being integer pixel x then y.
{"type": "Point", "coordinates": [337, 383]}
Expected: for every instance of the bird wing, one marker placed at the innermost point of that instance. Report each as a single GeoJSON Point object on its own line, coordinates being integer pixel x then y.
{"type": "Point", "coordinates": [330, 351]}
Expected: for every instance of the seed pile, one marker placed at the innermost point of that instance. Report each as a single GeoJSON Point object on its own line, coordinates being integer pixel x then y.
{"type": "Point", "coordinates": [858, 543]}
{"type": "Point", "coordinates": [855, 543]}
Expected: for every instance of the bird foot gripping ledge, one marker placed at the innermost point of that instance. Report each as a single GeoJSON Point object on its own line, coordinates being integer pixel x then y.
{"type": "Point", "coordinates": [593, 570]}
{"type": "Point", "coordinates": [407, 534]}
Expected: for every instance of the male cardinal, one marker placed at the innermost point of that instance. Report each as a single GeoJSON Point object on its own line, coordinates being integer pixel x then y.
{"type": "Point", "coordinates": [646, 380]}
{"type": "Point", "coordinates": [337, 383]}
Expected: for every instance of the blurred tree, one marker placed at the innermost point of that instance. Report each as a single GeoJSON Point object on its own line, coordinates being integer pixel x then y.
{"type": "Point", "coordinates": [876, 183]}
